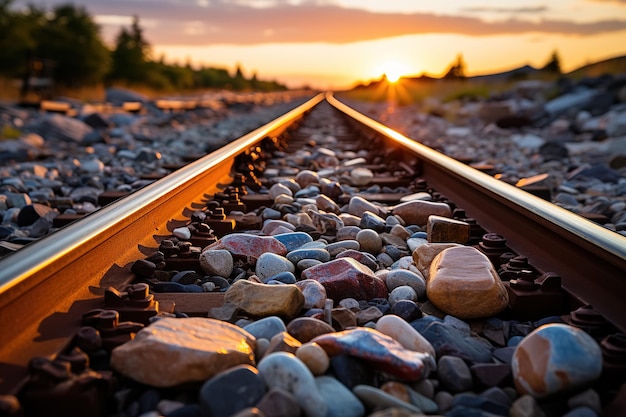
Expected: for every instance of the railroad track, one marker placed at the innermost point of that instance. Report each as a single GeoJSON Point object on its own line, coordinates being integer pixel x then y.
{"type": "Point", "coordinates": [48, 287]}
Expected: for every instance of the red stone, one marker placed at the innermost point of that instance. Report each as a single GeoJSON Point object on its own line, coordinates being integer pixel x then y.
{"type": "Point", "coordinates": [380, 350]}
{"type": "Point", "coordinates": [347, 278]}
{"type": "Point", "coordinates": [249, 246]}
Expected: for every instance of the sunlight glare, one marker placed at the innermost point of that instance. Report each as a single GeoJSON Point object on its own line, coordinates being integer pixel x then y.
{"type": "Point", "coordinates": [393, 70]}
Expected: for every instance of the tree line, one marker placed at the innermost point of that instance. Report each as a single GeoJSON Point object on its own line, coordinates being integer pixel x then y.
{"type": "Point", "coordinates": [65, 45]}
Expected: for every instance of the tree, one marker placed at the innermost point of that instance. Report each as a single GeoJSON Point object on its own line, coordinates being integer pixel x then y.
{"type": "Point", "coordinates": [130, 56]}
{"type": "Point", "coordinates": [553, 65]}
{"type": "Point", "coordinates": [71, 39]}
{"type": "Point", "coordinates": [457, 69]}
{"type": "Point", "coordinates": [17, 38]}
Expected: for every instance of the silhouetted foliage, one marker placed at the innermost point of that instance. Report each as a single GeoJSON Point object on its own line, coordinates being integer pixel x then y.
{"type": "Point", "coordinates": [553, 65]}
{"type": "Point", "coordinates": [67, 42]}
{"type": "Point", "coordinates": [71, 39]}
{"type": "Point", "coordinates": [457, 69]}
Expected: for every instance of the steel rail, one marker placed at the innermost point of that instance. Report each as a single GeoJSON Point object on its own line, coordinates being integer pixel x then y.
{"type": "Point", "coordinates": [592, 262]}
{"type": "Point", "coordinates": [81, 260]}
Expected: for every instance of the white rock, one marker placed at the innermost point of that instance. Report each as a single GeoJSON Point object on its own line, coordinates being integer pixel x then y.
{"type": "Point", "coordinates": [217, 262]}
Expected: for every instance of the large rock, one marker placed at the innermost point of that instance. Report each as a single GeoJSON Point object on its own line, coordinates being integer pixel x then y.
{"type": "Point", "coordinates": [424, 255]}
{"type": "Point", "coordinates": [346, 277]}
{"type": "Point", "coordinates": [173, 351]}
{"type": "Point", "coordinates": [418, 211]}
{"type": "Point", "coordinates": [462, 282]}
{"type": "Point", "coordinates": [262, 300]}
{"type": "Point", "coordinates": [555, 358]}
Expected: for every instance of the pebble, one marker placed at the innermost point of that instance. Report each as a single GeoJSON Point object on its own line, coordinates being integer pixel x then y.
{"type": "Point", "coordinates": [345, 277]}
{"type": "Point", "coordinates": [403, 277]}
{"type": "Point", "coordinates": [270, 264]}
{"type": "Point", "coordinates": [262, 300]}
{"type": "Point", "coordinates": [375, 398]}
{"type": "Point", "coordinates": [217, 262]}
{"type": "Point", "coordinates": [187, 350]}
{"type": "Point", "coordinates": [555, 358]}
{"type": "Point", "coordinates": [340, 400]}
{"type": "Point", "coordinates": [314, 357]}
{"type": "Point", "coordinates": [369, 241]}
{"type": "Point", "coordinates": [401, 331]}
{"type": "Point", "coordinates": [454, 375]}
{"type": "Point", "coordinates": [418, 211]}
{"type": "Point", "coordinates": [284, 370]}
{"type": "Point", "coordinates": [231, 391]}
{"type": "Point", "coordinates": [266, 328]}
{"type": "Point", "coordinates": [248, 247]}
{"type": "Point", "coordinates": [381, 351]}
{"type": "Point", "coordinates": [462, 282]}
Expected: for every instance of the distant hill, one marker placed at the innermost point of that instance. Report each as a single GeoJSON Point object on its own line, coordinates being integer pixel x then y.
{"type": "Point", "coordinates": [527, 71]}
{"type": "Point", "coordinates": [615, 65]}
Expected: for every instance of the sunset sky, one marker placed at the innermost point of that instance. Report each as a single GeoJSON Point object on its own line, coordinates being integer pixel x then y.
{"type": "Point", "coordinates": [335, 43]}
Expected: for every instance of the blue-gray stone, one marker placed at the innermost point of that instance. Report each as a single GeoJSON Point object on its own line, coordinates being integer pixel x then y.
{"type": "Point", "coordinates": [318, 254]}
{"type": "Point", "coordinates": [293, 240]}
{"type": "Point", "coordinates": [419, 235]}
{"type": "Point", "coordinates": [285, 277]}
{"type": "Point", "coordinates": [266, 328]}
{"type": "Point", "coordinates": [481, 403]}
{"type": "Point", "coordinates": [340, 400]}
{"type": "Point", "coordinates": [372, 221]}
{"type": "Point", "coordinates": [231, 391]}
{"type": "Point", "coordinates": [454, 374]}
{"type": "Point", "coordinates": [351, 371]}
{"type": "Point", "coordinates": [450, 341]}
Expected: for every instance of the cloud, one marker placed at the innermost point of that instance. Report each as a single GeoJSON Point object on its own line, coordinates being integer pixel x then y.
{"type": "Point", "coordinates": [535, 9]}
{"type": "Point", "coordinates": [209, 22]}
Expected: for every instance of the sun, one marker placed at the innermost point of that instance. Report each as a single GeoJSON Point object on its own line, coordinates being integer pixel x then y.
{"type": "Point", "coordinates": [393, 70]}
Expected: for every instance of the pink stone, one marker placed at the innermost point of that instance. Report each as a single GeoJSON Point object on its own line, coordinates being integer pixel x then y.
{"type": "Point", "coordinates": [382, 351]}
{"type": "Point", "coordinates": [417, 211]}
{"type": "Point", "coordinates": [249, 247]}
{"type": "Point", "coordinates": [347, 278]}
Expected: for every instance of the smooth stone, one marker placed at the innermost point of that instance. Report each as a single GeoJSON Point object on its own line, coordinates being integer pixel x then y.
{"type": "Point", "coordinates": [340, 400]}
{"type": "Point", "coordinates": [588, 398]}
{"type": "Point", "coordinates": [314, 357]}
{"type": "Point", "coordinates": [555, 358]}
{"type": "Point", "coordinates": [384, 260]}
{"type": "Point", "coordinates": [270, 264]}
{"type": "Point", "coordinates": [407, 394]}
{"type": "Point", "coordinates": [417, 211]}
{"type": "Point", "coordinates": [349, 221]}
{"type": "Point", "coordinates": [306, 329]}
{"type": "Point", "coordinates": [488, 375]}
{"type": "Point", "coordinates": [278, 189]}
{"type": "Point", "coordinates": [463, 282]}
{"type": "Point", "coordinates": [298, 219]}
{"type": "Point", "coordinates": [266, 328]}
{"type": "Point", "coordinates": [380, 350]}
{"type": "Point", "coordinates": [283, 342]}
{"type": "Point", "coordinates": [293, 240]}
{"type": "Point", "coordinates": [403, 292]}
{"type": "Point", "coordinates": [406, 310]}
{"type": "Point", "coordinates": [414, 243]}
{"type": "Point", "coordinates": [325, 223]}
{"type": "Point", "coordinates": [248, 246]}
{"type": "Point", "coordinates": [284, 370]}
{"type": "Point", "coordinates": [362, 257]}
{"type": "Point", "coordinates": [424, 255]}
{"type": "Point", "coordinates": [186, 349]}
{"type": "Point", "coordinates": [326, 204]}
{"type": "Point", "coordinates": [270, 226]}
{"type": "Point", "coordinates": [358, 205]}
{"type": "Point", "coordinates": [450, 341]}
{"type": "Point", "coordinates": [454, 374]}
{"type": "Point", "coordinates": [443, 229]}
{"type": "Point", "coordinates": [217, 262]}
{"type": "Point", "coordinates": [317, 254]}
{"type": "Point", "coordinates": [372, 221]}
{"type": "Point", "coordinates": [343, 318]}
{"type": "Point", "coordinates": [467, 404]}
{"type": "Point", "coordinates": [416, 196]}
{"type": "Point", "coordinates": [370, 314]}
{"type": "Point", "coordinates": [314, 293]}
{"type": "Point", "coordinates": [369, 241]}
{"type": "Point", "coordinates": [307, 263]}
{"type": "Point", "coordinates": [525, 406]}
{"type": "Point", "coordinates": [402, 332]}
{"type": "Point", "coordinates": [444, 401]}
{"type": "Point", "coordinates": [348, 232]}
{"type": "Point", "coordinates": [399, 277]}
{"type": "Point", "coordinates": [338, 247]}
{"type": "Point", "coordinates": [350, 304]}
{"type": "Point", "coordinates": [231, 391]}
{"type": "Point", "coordinates": [361, 176]}
{"type": "Point", "coordinates": [272, 215]}
{"type": "Point", "coordinates": [345, 277]}
{"type": "Point", "coordinates": [282, 278]}
{"type": "Point", "coordinates": [262, 300]}
{"type": "Point", "coordinates": [279, 402]}
{"type": "Point", "coordinates": [375, 398]}
{"type": "Point", "coordinates": [400, 232]}
{"type": "Point", "coordinates": [352, 371]}
{"type": "Point", "coordinates": [307, 177]}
